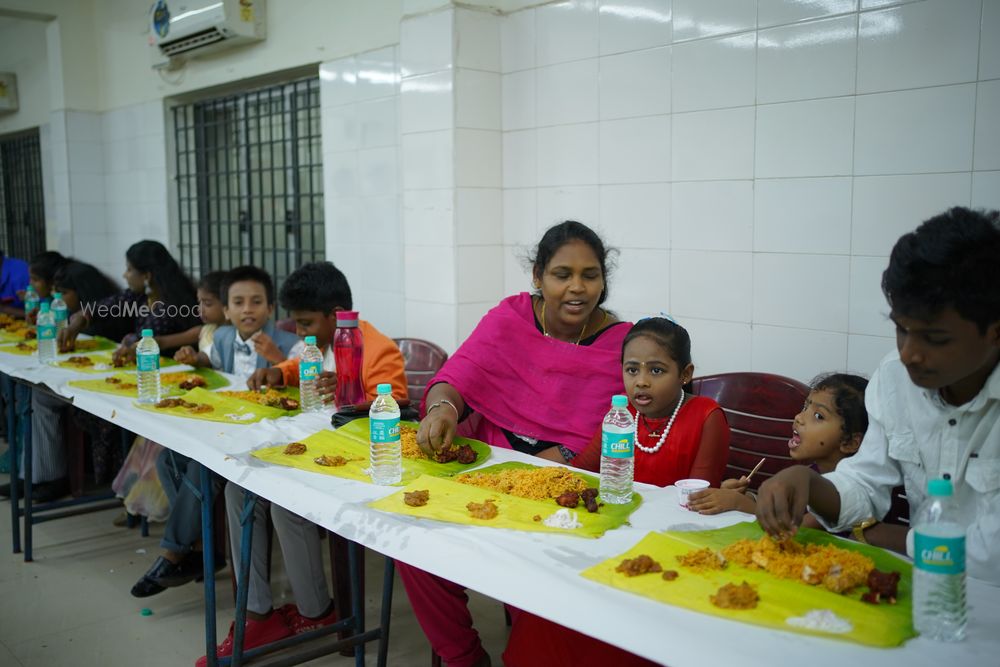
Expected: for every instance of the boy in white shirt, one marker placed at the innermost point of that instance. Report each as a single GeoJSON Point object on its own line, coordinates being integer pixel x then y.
{"type": "Point", "coordinates": [934, 405]}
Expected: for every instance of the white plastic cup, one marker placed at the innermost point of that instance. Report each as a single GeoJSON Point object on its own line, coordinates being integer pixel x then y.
{"type": "Point", "coordinates": [685, 487]}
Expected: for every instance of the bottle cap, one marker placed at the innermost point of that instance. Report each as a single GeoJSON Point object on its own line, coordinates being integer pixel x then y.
{"type": "Point", "coordinates": [310, 340]}
{"type": "Point", "coordinates": [147, 333]}
{"type": "Point", "coordinates": [385, 388]}
{"type": "Point", "coordinates": [347, 318]}
{"type": "Point", "coordinates": [44, 307]}
{"type": "Point", "coordinates": [56, 295]}
{"type": "Point", "coordinates": [619, 401]}
{"type": "Point", "coordinates": [939, 487]}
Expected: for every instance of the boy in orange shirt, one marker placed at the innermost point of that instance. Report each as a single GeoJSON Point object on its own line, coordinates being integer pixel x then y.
{"type": "Point", "coordinates": [312, 295]}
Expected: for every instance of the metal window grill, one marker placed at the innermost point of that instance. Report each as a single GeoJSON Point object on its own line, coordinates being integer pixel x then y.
{"type": "Point", "coordinates": [250, 180]}
{"type": "Point", "coordinates": [22, 204]}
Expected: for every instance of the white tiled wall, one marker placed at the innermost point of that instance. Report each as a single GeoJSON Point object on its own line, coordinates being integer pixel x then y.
{"type": "Point", "coordinates": [754, 160]}
{"type": "Point", "coordinates": [360, 100]}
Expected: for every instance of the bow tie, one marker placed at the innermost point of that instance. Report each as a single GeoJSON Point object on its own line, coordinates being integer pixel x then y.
{"type": "Point", "coordinates": [242, 348]}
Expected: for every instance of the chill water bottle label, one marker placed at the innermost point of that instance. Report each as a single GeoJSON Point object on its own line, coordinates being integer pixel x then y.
{"type": "Point", "coordinates": [147, 362]}
{"type": "Point", "coordinates": [46, 332]}
{"type": "Point", "coordinates": [940, 555]}
{"type": "Point", "coordinates": [309, 370]}
{"type": "Point", "coordinates": [617, 445]}
{"type": "Point", "coordinates": [385, 430]}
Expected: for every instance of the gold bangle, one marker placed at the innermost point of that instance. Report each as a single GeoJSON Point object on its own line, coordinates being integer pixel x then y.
{"type": "Point", "coordinates": [438, 404]}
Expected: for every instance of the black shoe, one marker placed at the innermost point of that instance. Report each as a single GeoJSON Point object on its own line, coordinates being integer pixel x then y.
{"type": "Point", "coordinates": [5, 489]}
{"type": "Point", "coordinates": [169, 575]}
{"type": "Point", "coordinates": [146, 587]}
{"type": "Point", "coordinates": [48, 491]}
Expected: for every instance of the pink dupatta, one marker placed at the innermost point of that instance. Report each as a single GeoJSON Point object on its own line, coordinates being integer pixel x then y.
{"type": "Point", "coordinates": [516, 379]}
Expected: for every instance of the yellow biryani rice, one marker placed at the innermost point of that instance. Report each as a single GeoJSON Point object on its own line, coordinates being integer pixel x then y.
{"type": "Point", "coordinates": [408, 440]}
{"type": "Point", "coordinates": [534, 483]}
{"type": "Point", "coordinates": [837, 569]}
{"type": "Point", "coordinates": [270, 398]}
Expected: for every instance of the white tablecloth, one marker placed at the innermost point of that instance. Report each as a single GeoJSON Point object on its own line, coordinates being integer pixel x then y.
{"type": "Point", "coordinates": [533, 571]}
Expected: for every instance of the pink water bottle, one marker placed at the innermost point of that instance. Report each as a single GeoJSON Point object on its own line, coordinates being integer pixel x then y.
{"type": "Point", "coordinates": [348, 353]}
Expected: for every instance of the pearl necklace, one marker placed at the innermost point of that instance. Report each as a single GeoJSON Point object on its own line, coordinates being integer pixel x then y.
{"type": "Point", "coordinates": [666, 429]}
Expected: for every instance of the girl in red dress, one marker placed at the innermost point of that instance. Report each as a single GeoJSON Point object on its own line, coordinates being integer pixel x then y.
{"type": "Point", "coordinates": [678, 436]}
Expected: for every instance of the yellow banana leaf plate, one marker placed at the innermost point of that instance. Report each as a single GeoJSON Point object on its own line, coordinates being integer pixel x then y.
{"type": "Point", "coordinates": [224, 409]}
{"type": "Point", "coordinates": [124, 384]}
{"type": "Point", "coordinates": [882, 625]}
{"type": "Point", "coordinates": [448, 500]}
{"type": "Point", "coordinates": [351, 442]}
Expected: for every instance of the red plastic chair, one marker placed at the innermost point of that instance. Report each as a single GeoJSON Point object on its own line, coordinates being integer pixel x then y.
{"type": "Point", "coordinates": [423, 359]}
{"type": "Point", "coordinates": [760, 408]}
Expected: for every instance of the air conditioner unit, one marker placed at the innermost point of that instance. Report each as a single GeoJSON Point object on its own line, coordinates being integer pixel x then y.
{"type": "Point", "coordinates": [197, 27]}
{"type": "Point", "coordinates": [8, 92]}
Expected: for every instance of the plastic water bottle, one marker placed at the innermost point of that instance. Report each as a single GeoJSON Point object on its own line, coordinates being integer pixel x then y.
{"type": "Point", "coordinates": [147, 361]}
{"type": "Point", "coordinates": [386, 450]}
{"type": "Point", "coordinates": [59, 311]}
{"type": "Point", "coordinates": [617, 453]}
{"type": "Point", "coordinates": [348, 352]}
{"type": "Point", "coordinates": [30, 300]}
{"type": "Point", "coordinates": [939, 566]}
{"type": "Point", "coordinates": [310, 366]}
{"type": "Point", "coordinates": [46, 332]}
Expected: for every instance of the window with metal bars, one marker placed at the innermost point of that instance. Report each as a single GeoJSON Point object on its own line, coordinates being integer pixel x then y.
{"type": "Point", "coordinates": [22, 204]}
{"type": "Point", "coordinates": [250, 180]}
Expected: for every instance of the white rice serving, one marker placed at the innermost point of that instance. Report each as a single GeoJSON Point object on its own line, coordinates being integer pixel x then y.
{"type": "Point", "coordinates": [563, 518]}
{"type": "Point", "coordinates": [823, 620]}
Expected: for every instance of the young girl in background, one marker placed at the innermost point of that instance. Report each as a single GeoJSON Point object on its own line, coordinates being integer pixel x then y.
{"type": "Point", "coordinates": [828, 429]}
{"type": "Point", "coordinates": [212, 317]}
{"type": "Point", "coordinates": [678, 436]}
{"type": "Point", "coordinates": [41, 276]}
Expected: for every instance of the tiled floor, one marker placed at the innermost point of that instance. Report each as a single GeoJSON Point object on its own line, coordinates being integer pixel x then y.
{"type": "Point", "coordinates": [72, 607]}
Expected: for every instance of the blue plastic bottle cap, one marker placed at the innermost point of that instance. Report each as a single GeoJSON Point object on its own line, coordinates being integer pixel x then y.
{"type": "Point", "coordinates": [310, 340]}
{"type": "Point", "coordinates": [146, 611]}
{"type": "Point", "coordinates": [56, 295]}
{"type": "Point", "coordinates": [44, 307]}
{"type": "Point", "coordinates": [940, 487]}
{"type": "Point", "coordinates": [147, 333]}
{"type": "Point", "coordinates": [619, 401]}
{"type": "Point", "coordinates": [385, 388]}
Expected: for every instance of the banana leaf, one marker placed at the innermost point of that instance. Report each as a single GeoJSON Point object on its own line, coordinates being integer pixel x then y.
{"type": "Point", "coordinates": [168, 383]}
{"type": "Point", "coordinates": [225, 409]}
{"type": "Point", "coordinates": [881, 625]}
{"type": "Point", "coordinates": [448, 500]}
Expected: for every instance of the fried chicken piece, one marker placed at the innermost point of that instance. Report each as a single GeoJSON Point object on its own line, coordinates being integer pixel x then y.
{"type": "Point", "coordinates": [670, 575]}
{"type": "Point", "coordinates": [24, 346]}
{"type": "Point", "coordinates": [467, 455]}
{"type": "Point", "coordinates": [537, 517]}
{"type": "Point", "coordinates": [569, 499]}
{"type": "Point", "coordinates": [881, 586]}
{"type": "Point", "coordinates": [288, 403]}
{"type": "Point", "coordinates": [113, 380]}
{"type": "Point", "coordinates": [30, 334]}
{"type": "Point", "coordinates": [192, 381]}
{"type": "Point", "coordinates": [295, 448]}
{"type": "Point", "coordinates": [735, 596]}
{"type": "Point", "coordinates": [200, 408]}
{"type": "Point", "coordinates": [171, 403]}
{"type": "Point", "coordinates": [641, 564]}
{"type": "Point", "coordinates": [332, 461]}
{"type": "Point", "coordinates": [80, 361]}
{"type": "Point", "coordinates": [416, 498]}
{"type": "Point", "coordinates": [446, 455]}
{"type": "Point", "coordinates": [589, 498]}
{"type": "Point", "coordinates": [485, 510]}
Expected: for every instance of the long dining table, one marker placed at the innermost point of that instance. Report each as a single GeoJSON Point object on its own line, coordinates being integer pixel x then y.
{"type": "Point", "coordinates": [536, 572]}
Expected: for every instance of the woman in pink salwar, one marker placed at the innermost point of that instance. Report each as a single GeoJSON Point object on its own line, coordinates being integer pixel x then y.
{"type": "Point", "coordinates": [536, 375]}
